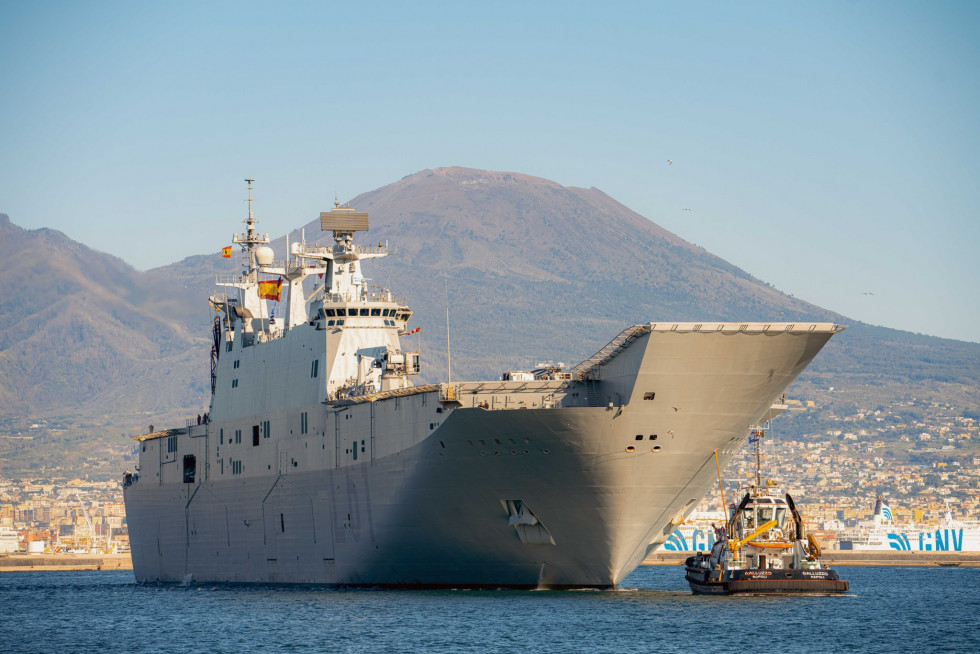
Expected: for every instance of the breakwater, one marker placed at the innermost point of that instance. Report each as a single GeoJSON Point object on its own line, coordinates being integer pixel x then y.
{"type": "Point", "coordinates": [52, 562]}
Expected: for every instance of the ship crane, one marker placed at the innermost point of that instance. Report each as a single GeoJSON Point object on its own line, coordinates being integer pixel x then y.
{"type": "Point", "coordinates": [88, 521]}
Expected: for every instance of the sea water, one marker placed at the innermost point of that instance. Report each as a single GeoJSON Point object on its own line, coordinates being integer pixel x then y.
{"type": "Point", "coordinates": [888, 609]}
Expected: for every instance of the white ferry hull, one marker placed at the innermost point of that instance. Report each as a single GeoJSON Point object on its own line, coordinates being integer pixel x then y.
{"type": "Point", "coordinates": [916, 539]}
{"type": "Point", "coordinates": [413, 491]}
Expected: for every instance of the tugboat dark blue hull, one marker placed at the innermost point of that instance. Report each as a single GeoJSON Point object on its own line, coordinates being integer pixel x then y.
{"type": "Point", "coordinates": [704, 581]}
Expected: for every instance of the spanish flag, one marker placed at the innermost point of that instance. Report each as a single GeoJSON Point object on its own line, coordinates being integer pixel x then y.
{"type": "Point", "coordinates": [226, 252]}
{"type": "Point", "coordinates": [270, 290]}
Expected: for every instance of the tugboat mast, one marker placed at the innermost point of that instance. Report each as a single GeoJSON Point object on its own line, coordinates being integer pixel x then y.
{"type": "Point", "coordinates": [758, 458]}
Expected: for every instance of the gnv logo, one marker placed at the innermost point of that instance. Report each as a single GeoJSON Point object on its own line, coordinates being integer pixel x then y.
{"type": "Point", "coordinates": [942, 540]}
{"type": "Point", "coordinates": [700, 541]}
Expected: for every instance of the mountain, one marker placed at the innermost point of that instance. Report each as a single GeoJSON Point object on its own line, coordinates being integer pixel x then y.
{"type": "Point", "coordinates": [530, 270]}
{"type": "Point", "coordinates": [84, 332]}
{"type": "Point", "coordinates": [534, 270]}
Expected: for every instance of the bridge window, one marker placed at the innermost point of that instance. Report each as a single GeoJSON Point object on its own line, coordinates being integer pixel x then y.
{"type": "Point", "coordinates": [365, 312]}
{"type": "Point", "coordinates": [329, 313]}
{"type": "Point", "coordinates": [330, 323]}
{"type": "Point", "coordinates": [780, 516]}
{"type": "Point", "coordinates": [375, 312]}
{"type": "Point", "coordinates": [341, 312]}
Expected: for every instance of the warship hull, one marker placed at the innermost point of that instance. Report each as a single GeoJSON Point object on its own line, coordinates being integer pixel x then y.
{"type": "Point", "coordinates": [544, 483]}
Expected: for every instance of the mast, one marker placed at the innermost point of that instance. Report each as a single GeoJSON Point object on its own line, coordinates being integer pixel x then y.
{"type": "Point", "coordinates": [250, 240]}
{"type": "Point", "coordinates": [449, 353]}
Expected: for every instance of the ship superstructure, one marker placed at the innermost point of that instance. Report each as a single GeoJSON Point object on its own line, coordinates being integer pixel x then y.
{"type": "Point", "coordinates": [320, 462]}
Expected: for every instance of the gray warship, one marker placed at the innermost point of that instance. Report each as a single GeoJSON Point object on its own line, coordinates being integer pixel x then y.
{"type": "Point", "coordinates": [320, 462]}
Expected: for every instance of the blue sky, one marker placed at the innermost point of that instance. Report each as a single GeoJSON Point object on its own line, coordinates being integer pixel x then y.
{"type": "Point", "coordinates": [829, 148]}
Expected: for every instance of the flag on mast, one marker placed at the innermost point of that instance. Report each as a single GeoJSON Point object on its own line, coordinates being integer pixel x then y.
{"type": "Point", "coordinates": [226, 252]}
{"type": "Point", "coordinates": [270, 290]}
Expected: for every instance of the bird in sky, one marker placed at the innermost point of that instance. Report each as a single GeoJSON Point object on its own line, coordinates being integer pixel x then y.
{"type": "Point", "coordinates": [670, 162]}
{"type": "Point", "coordinates": [686, 209]}
{"type": "Point", "coordinates": [867, 293]}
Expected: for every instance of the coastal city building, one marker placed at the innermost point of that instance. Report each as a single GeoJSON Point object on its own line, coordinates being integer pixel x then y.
{"type": "Point", "coordinates": [919, 456]}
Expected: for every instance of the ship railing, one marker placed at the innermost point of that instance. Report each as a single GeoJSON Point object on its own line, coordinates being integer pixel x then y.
{"type": "Point", "coordinates": [588, 369]}
{"type": "Point", "coordinates": [370, 249]}
{"type": "Point", "coordinates": [536, 394]}
{"type": "Point", "coordinates": [371, 296]}
{"type": "Point", "coordinates": [282, 264]}
{"type": "Point", "coordinates": [230, 278]}
{"type": "Point", "coordinates": [324, 250]}
{"type": "Point", "coordinates": [448, 393]}
{"type": "Point", "coordinates": [270, 335]}
{"type": "Point", "coordinates": [335, 400]}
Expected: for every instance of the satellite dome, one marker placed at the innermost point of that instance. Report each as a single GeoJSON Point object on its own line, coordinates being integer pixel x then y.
{"type": "Point", "coordinates": [264, 255]}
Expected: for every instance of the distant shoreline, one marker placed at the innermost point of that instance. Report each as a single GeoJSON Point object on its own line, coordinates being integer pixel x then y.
{"type": "Point", "coordinates": [78, 562]}
{"type": "Point", "coordinates": [836, 558]}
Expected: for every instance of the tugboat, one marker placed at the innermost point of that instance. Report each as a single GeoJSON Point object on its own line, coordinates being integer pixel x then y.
{"type": "Point", "coordinates": [762, 549]}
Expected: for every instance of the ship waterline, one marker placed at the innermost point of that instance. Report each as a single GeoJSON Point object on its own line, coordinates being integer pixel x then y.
{"type": "Point", "coordinates": [319, 461]}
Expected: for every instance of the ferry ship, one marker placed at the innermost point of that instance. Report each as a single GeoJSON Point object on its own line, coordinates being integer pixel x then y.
{"type": "Point", "coordinates": [882, 532]}
{"type": "Point", "coordinates": [319, 461]}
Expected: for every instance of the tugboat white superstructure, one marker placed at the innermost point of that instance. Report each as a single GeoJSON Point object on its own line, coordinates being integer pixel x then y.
{"type": "Point", "coordinates": [320, 462]}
